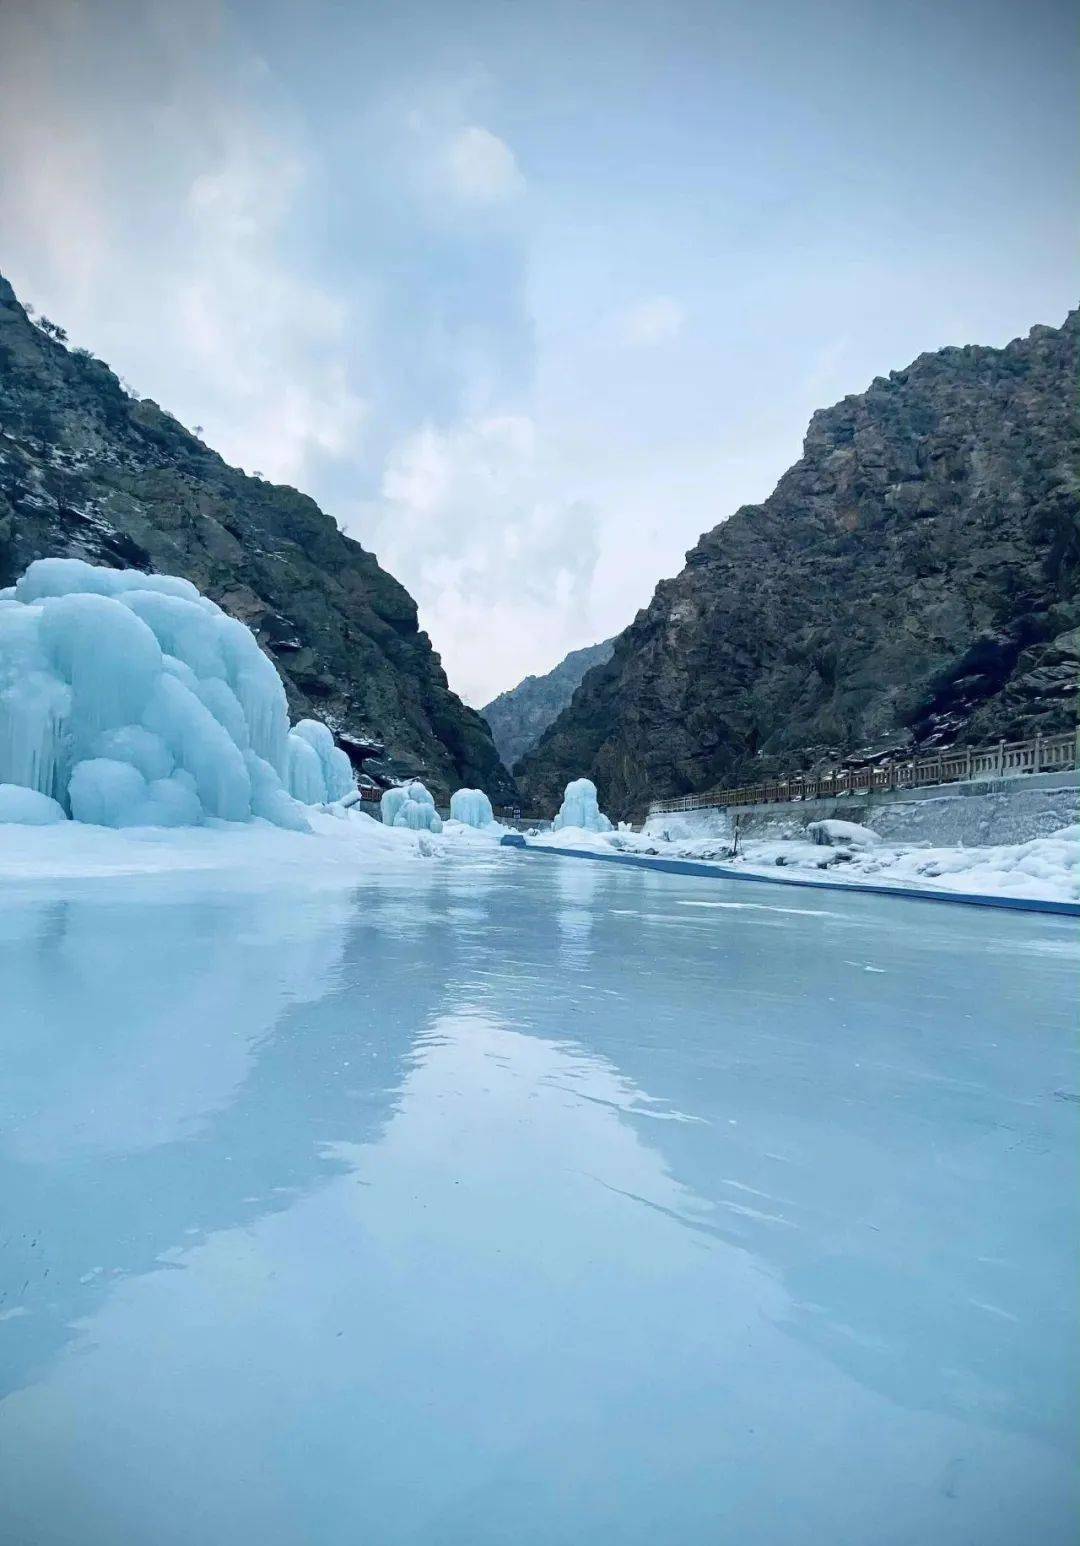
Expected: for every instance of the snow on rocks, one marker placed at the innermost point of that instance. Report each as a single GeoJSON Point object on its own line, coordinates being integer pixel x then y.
{"type": "Point", "coordinates": [580, 808]}
{"type": "Point", "coordinates": [709, 822]}
{"type": "Point", "coordinates": [1043, 867]}
{"type": "Point", "coordinates": [833, 834]}
{"type": "Point", "coordinates": [130, 699]}
{"type": "Point", "coordinates": [1046, 867]}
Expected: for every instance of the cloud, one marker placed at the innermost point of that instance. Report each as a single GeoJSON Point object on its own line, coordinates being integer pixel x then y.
{"type": "Point", "coordinates": [480, 167]}
{"type": "Point", "coordinates": [653, 321]}
{"type": "Point", "coordinates": [500, 562]}
{"type": "Point", "coordinates": [161, 235]}
{"type": "Point", "coordinates": [271, 343]}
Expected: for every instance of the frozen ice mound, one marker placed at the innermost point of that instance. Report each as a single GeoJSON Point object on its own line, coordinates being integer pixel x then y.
{"type": "Point", "coordinates": [130, 699]}
{"type": "Point", "coordinates": [410, 805]}
{"type": "Point", "coordinates": [472, 808]}
{"type": "Point", "coordinates": [28, 808]}
{"type": "Point", "coordinates": [334, 768]}
{"type": "Point", "coordinates": [580, 808]}
{"type": "Point", "coordinates": [418, 817]}
{"type": "Point", "coordinates": [394, 798]}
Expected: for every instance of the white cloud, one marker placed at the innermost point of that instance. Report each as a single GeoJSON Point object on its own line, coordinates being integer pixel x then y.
{"type": "Point", "coordinates": [481, 167]}
{"type": "Point", "coordinates": [160, 236]}
{"type": "Point", "coordinates": [271, 344]}
{"type": "Point", "coordinates": [653, 321]}
{"type": "Point", "coordinates": [501, 565]}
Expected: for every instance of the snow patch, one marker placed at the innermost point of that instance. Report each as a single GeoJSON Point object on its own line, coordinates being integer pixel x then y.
{"type": "Point", "coordinates": [831, 834]}
{"type": "Point", "coordinates": [1045, 868]}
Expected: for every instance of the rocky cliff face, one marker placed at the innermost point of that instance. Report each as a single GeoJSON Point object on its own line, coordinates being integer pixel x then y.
{"type": "Point", "coordinates": [87, 471]}
{"type": "Point", "coordinates": [912, 582]}
{"type": "Point", "coordinates": [519, 716]}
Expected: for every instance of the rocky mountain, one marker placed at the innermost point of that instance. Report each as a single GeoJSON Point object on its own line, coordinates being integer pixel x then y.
{"type": "Point", "coordinates": [519, 716]}
{"type": "Point", "coordinates": [911, 582]}
{"type": "Point", "coordinates": [88, 471]}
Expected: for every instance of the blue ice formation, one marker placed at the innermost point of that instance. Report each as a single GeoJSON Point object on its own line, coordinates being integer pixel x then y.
{"type": "Point", "coordinates": [580, 808]}
{"type": "Point", "coordinates": [319, 771]}
{"type": "Point", "coordinates": [410, 805]}
{"type": "Point", "coordinates": [419, 817]}
{"type": "Point", "coordinates": [130, 699]}
{"type": "Point", "coordinates": [471, 807]}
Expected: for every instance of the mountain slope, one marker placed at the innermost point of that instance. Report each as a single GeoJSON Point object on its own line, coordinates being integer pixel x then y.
{"type": "Point", "coordinates": [912, 581]}
{"type": "Point", "coordinates": [520, 715]}
{"type": "Point", "coordinates": [87, 471]}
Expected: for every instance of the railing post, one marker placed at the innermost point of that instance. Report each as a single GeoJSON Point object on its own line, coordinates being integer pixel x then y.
{"type": "Point", "coordinates": [1038, 753]}
{"type": "Point", "coordinates": [1000, 763]}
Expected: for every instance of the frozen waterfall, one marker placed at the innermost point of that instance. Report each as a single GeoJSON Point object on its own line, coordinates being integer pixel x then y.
{"type": "Point", "coordinates": [131, 699]}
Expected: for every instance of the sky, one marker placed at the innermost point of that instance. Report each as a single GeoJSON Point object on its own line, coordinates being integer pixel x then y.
{"type": "Point", "coordinates": [529, 296]}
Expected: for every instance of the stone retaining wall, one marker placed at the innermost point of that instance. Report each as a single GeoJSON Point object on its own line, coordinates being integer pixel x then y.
{"type": "Point", "coordinates": [975, 814]}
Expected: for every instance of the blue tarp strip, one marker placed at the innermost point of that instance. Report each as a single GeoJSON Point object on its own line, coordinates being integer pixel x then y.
{"type": "Point", "coordinates": [1024, 904]}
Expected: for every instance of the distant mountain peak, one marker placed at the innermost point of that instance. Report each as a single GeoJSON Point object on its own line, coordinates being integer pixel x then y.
{"type": "Point", "coordinates": [519, 716]}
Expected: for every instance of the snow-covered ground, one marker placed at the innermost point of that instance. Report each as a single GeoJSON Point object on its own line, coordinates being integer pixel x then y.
{"type": "Point", "coordinates": [345, 843]}
{"type": "Point", "coordinates": [342, 845]}
{"type": "Point", "coordinates": [1047, 867]}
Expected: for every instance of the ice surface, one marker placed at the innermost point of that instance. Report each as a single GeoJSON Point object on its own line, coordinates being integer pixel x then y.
{"type": "Point", "coordinates": [580, 809]}
{"type": "Point", "coordinates": [472, 808]}
{"type": "Point", "coordinates": [530, 1200]}
{"type": "Point", "coordinates": [132, 700]}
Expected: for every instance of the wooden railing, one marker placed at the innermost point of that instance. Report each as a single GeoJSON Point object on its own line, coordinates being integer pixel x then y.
{"type": "Point", "coordinates": [1008, 759]}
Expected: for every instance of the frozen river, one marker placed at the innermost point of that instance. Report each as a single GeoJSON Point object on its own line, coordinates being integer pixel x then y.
{"type": "Point", "coordinates": [533, 1201]}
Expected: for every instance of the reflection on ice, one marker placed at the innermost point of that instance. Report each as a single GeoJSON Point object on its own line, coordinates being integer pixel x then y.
{"type": "Point", "coordinates": [576, 884]}
{"type": "Point", "coordinates": [467, 1216]}
{"type": "Point", "coordinates": [139, 1048]}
